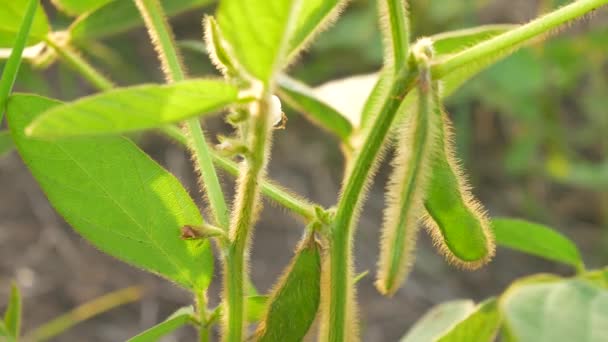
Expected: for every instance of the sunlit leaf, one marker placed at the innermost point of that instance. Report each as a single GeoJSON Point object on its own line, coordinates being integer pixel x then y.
{"type": "Point", "coordinates": [116, 197]}
{"type": "Point", "coordinates": [558, 311]}
{"type": "Point", "coordinates": [257, 32]}
{"type": "Point", "coordinates": [439, 320]}
{"type": "Point", "coordinates": [75, 7]}
{"type": "Point", "coordinates": [134, 108]}
{"type": "Point", "coordinates": [536, 239]}
{"type": "Point", "coordinates": [11, 16]}
{"type": "Point", "coordinates": [121, 15]}
{"type": "Point", "coordinates": [178, 319]}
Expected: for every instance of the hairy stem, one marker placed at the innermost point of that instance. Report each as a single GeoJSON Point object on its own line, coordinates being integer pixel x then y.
{"type": "Point", "coordinates": [161, 36]}
{"type": "Point", "coordinates": [270, 189]}
{"type": "Point", "coordinates": [349, 204]}
{"type": "Point", "coordinates": [247, 206]}
{"type": "Point", "coordinates": [398, 30]}
{"type": "Point", "coordinates": [201, 307]}
{"type": "Point", "coordinates": [516, 36]}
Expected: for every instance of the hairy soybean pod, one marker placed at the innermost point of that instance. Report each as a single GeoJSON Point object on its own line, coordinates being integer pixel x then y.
{"type": "Point", "coordinates": [455, 219]}
{"type": "Point", "coordinates": [406, 189]}
{"type": "Point", "coordinates": [293, 304]}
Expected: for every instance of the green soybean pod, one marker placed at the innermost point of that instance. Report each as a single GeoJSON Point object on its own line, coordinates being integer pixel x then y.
{"type": "Point", "coordinates": [406, 189]}
{"type": "Point", "coordinates": [456, 221]}
{"type": "Point", "coordinates": [293, 304]}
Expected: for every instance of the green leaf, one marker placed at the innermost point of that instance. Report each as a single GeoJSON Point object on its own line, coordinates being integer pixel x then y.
{"type": "Point", "coordinates": [13, 14]}
{"type": "Point", "coordinates": [12, 316]}
{"type": "Point", "coordinates": [76, 7]}
{"type": "Point", "coordinates": [293, 304]}
{"type": "Point", "coordinates": [454, 41]}
{"type": "Point", "coordinates": [4, 334]}
{"type": "Point", "coordinates": [302, 98]}
{"type": "Point", "coordinates": [559, 311]}
{"type": "Point", "coordinates": [536, 239]}
{"type": "Point", "coordinates": [256, 308]}
{"type": "Point", "coordinates": [133, 108]}
{"type": "Point", "coordinates": [6, 143]}
{"type": "Point", "coordinates": [178, 319]}
{"type": "Point", "coordinates": [120, 15]}
{"type": "Point", "coordinates": [11, 69]}
{"type": "Point", "coordinates": [313, 16]}
{"type": "Point", "coordinates": [258, 33]}
{"type": "Point", "coordinates": [480, 326]}
{"type": "Point", "coordinates": [439, 320]}
{"type": "Point", "coordinates": [116, 197]}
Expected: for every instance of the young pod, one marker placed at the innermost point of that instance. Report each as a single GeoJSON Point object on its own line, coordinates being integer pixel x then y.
{"type": "Point", "coordinates": [293, 304]}
{"type": "Point", "coordinates": [455, 219]}
{"type": "Point", "coordinates": [406, 189]}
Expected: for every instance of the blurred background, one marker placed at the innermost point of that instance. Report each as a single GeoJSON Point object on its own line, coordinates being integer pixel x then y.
{"type": "Point", "coordinates": [531, 131]}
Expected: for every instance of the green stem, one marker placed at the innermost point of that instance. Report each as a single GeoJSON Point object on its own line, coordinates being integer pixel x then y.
{"type": "Point", "coordinates": [11, 69]}
{"type": "Point", "coordinates": [162, 38]}
{"type": "Point", "coordinates": [350, 202]}
{"type": "Point", "coordinates": [517, 36]}
{"type": "Point", "coordinates": [78, 63]}
{"type": "Point", "coordinates": [399, 31]}
{"type": "Point", "coordinates": [247, 205]}
{"type": "Point", "coordinates": [270, 189]}
{"type": "Point", "coordinates": [201, 307]}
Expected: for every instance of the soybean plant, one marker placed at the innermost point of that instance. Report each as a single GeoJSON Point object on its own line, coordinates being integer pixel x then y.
{"type": "Point", "coordinates": [129, 206]}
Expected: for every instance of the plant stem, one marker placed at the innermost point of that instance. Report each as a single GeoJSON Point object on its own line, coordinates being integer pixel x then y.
{"type": "Point", "coordinates": [201, 307]}
{"type": "Point", "coordinates": [247, 206]}
{"type": "Point", "coordinates": [350, 202]}
{"type": "Point", "coordinates": [399, 31]}
{"type": "Point", "coordinates": [270, 189]}
{"type": "Point", "coordinates": [162, 38]}
{"type": "Point", "coordinates": [515, 37]}
{"type": "Point", "coordinates": [84, 312]}
{"type": "Point", "coordinates": [78, 63]}
{"type": "Point", "coordinates": [11, 69]}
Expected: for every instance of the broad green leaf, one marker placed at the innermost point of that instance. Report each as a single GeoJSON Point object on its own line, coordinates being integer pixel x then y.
{"type": "Point", "coordinates": [134, 108]}
{"type": "Point", "coordinates": [12, 316]}
{"type": "Point", "coordinates": [455, 219]}
{"type": "Point", "coordinates": [12, 15]}
{"type": "Point", "coordinates": [302, 98]}
{"type": "Point", "coordinates": [75, 7]}
{"type": "Point", "coordinates": [178, 319]}
{"type": "Point", "coordinates": [116, 197]}
{"type": "Point", "coordinates": [11, 69]}
{"type": "Point", "coordinates": [6, 143]}
{"type": "Point", "coordinates": [480, 326]}
{"type": "Point", "coordinates": [536, 239]}
{"type": "Point", "coordinates": [559, 311]}
{"type": "Point", "coordinates": [293, 304]}
{"type": "Point", "coordinates": [258, 33]}
{"type": "Point", "coordinates": [439, 320]}
{"type": "Point", "coordinates": [313, 16]}
{"type": "Point", "coordinates": [454, 41]}
{"type": "Point", "coordinates": [121, 15]}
